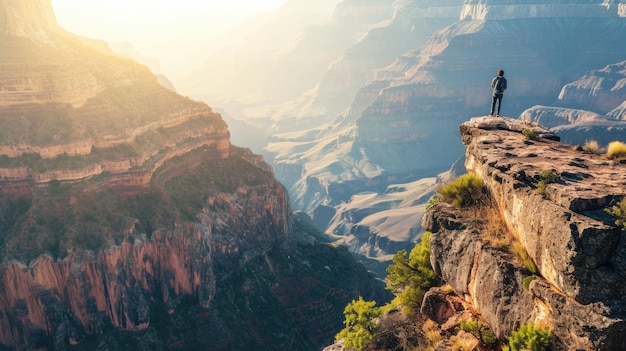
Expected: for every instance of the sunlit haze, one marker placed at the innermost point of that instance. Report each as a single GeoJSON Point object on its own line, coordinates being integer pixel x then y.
{"type": "Point", "coordinates": [171, 30]}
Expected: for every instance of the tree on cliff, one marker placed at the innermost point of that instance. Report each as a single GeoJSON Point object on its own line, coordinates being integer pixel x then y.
{"type": "Point", "coordinates": [410, 278]}
{"type": "Point", "coordinates": [360, 327]}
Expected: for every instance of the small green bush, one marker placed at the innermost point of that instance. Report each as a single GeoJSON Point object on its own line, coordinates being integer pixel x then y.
{"type": "Point", "coordinates": [526, 282]}
{"type": "Point", "coordinates": [529, 338]}
{"type": "Point", "coordinates": [433, 201]}
{"type": "Point", "coordinates": [619, 211]}
{"type": "Point", "coordinates": [410, 278]}
{"type": "Point", "coordinates": [467, 190]}
{"type": "Point", "coordinates": [480, 330]}
{"type": "Point", "coordinates": [529, 134]}
{"type": "Point", "coordinates": [616, 149]}
{"type": "Point", "coordinates": [549, 177]}
{"type": "Point", "coordinates": [360, 328]}
{"type": "Point", "coordinates": [541, 188]}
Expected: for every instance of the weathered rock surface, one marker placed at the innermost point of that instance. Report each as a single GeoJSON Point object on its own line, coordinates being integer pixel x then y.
{"type": "Point", "coordinates": [577, 248]}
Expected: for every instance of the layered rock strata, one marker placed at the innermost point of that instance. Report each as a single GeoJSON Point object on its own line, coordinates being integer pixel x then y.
{"type": "Point", "coordinates": [72, 110]}
{"type": "Point", "coordinates": [129, 221]}
{"type": "Point", "coordinates": [575, 245]}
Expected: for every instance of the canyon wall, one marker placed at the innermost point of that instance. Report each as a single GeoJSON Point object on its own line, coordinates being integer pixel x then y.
{"type": "Point", "coordinates": [577, 247]}
{"type": "Point", "coordinates": [129, 221]}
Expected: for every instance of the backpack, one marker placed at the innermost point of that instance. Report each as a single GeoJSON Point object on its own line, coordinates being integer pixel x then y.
{"type": "Point", "coordinates": [500, 85]}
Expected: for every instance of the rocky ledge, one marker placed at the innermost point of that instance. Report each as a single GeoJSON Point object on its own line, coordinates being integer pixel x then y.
{"type": "Point", "coordinates": [579, 252]}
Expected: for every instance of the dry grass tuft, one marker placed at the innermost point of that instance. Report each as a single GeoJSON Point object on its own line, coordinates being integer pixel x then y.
{"type": "Point", "coordinates": [433, 334]}
{"type": "Point", "coordinates": [520, 251]}
{"type": "Point", "coordinates": [492, 226]}
{"type": "Point", "coordinates": [616, 149]}
{"type": "Point", "coordinates": [591, 146]}
{"type": "Point", "coordinates": [464, 342]}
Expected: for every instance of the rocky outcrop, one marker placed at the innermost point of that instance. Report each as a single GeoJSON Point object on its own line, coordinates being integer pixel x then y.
{"type": "Point", "coordinates": [600, 90]}
{"type": "Point", "coordinates": [589, 108]}
{"type": "Point", "coordinates": [105, 113]}
{"type": "Point", "coordinates": [28, 19]}
{"type": "Point", "coordinates": [576, 247]}
{"type": "Point", "coordinates": [403, 121]}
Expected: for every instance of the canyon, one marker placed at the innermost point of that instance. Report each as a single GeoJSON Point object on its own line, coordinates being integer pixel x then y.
{"type": "Point", "coordinates": [130, 221]}
{"type": "Point", "coordinates": [401, 125]}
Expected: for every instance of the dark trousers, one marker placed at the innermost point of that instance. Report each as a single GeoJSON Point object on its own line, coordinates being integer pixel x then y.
{"type": "Point", "coordinates": [496, 98]}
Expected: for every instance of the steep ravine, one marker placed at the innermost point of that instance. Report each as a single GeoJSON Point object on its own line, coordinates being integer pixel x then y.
{"type": "Point", "coordinates": [128, 221]}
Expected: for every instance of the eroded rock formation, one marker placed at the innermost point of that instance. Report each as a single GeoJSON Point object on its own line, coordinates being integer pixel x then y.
{"type": "Point", "coordinates": [128, 218]}
{"type": "Point", "coordinates": [71, 109]}
{"type": "Point", "coordinates": [576, 246]}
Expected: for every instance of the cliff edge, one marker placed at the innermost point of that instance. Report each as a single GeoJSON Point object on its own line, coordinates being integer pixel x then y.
{"type": "Point", "coordinates": [578, 250]}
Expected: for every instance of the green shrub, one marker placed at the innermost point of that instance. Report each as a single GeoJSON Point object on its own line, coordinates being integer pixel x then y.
{"type": "Point", "coordinates": [360, 328]}
{"type": "Point", "coordinates": [526, 282]}
{"type": "Point", "coordinates": [616, 149]}
{"type": "Point", "coordinates": [529, 338]}
{"type": "Point", "coordinates": [529, 134]}
{"type": "Point", "coordinates": [433, 201]}
{"type": "Point", "coordinates": [411, 278]}
{"type": "Point", "coordinates": [541, 188]}
{"type": "Point", "coordinates": [619, 211]}
{"type": "Point", "coordinates": [464, 191]}
{"type": "Point", "coordinates": [547, 177]}
{"type": "Point", "coordinates": [480, 330]}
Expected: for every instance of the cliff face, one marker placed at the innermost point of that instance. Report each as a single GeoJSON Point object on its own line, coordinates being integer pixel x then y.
{"type": "Point", "coordinates": [129, 221]}
{"type": "Point", "coordinates": [589, 108]}
{"type": "Point", "coordinates": [71, 109]}
{"type": "Point", "coordinates": [575, 245]}
{"type": "Point", "coordinates": [404, 125]}
{"type": "Point", "coordinates": [40, 20]}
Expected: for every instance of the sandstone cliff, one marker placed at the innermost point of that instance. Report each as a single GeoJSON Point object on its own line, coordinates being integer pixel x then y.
{"type": "Point", "coordinates": [589, 108]}
{"type": "Point", "coordinates": [575, 245]}
{"type": "Point", "coordinates": [400, 127]}
{"type": "Point", "coordinates": [129, 221]}
{"type": "Point", "coordinates": [71, 109]}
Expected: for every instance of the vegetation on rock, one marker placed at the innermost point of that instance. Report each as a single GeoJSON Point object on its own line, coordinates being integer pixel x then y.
{"type": "Point", "coordinates": [616, 150]}
{"type": "Point", "coordinates": [410, 278]}
{"type": "Point", "coordinates": [480, 330]}
{"type": "Point", "coordinates": [360, 328]}
{"type": "Point", "coordinates": [591, 146]}
{"type": "Point", "coordinates": [529, 134]}
{"type": "Point", "coordinates": [467, 190]}
{"type": "Point", "coordinates": [547, 177]}
{"type": "Point", "coordinates": [529, 338]}
{"type": "Point", "coordinates": [619, 211]}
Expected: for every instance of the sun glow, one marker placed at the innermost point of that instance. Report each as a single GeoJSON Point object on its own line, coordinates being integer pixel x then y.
{"type": "Point", "coordinates": [165, 29]}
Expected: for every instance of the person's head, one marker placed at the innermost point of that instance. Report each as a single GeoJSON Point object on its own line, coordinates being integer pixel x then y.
{"type": "Point", "coordinates": [500, 72]}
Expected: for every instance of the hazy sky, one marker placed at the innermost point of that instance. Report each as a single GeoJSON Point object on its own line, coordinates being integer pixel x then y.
{"type": "Point", "coordinates": [166, 29]}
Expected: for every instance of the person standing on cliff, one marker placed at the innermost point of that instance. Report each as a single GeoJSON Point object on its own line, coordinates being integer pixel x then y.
{"type": "Point", "coordinates": [499, 86]}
